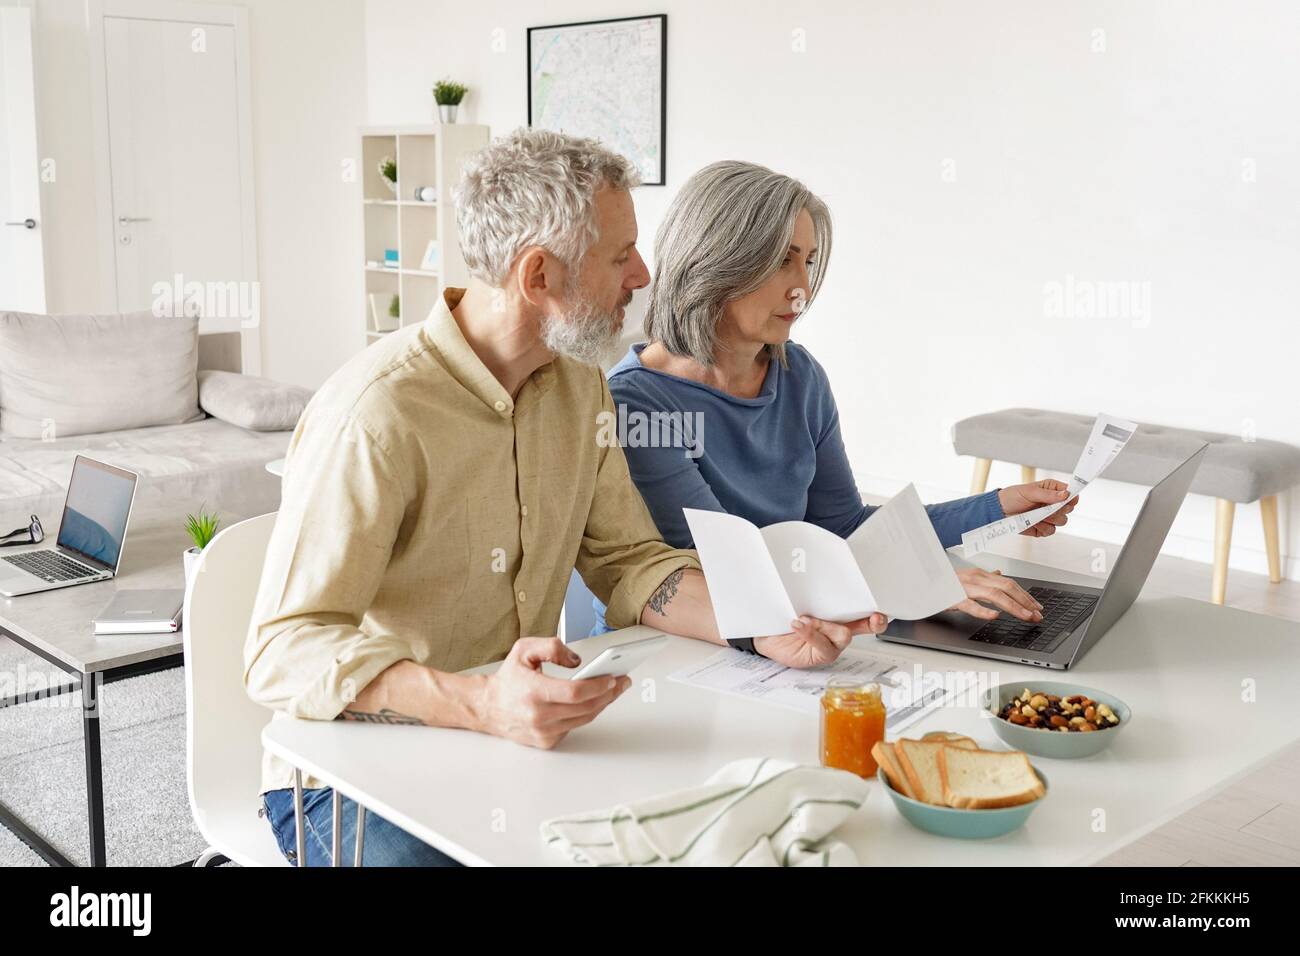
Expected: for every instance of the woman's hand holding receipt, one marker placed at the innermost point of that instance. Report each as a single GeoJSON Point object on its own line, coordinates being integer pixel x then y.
{"type": "Point", "coordinates": [1021, 498]}
{"type": "Point", "coordinates": [985, 588]}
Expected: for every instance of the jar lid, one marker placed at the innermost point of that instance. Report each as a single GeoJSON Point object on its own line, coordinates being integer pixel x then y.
{"type": "Point", "coordinates": [850, 692]}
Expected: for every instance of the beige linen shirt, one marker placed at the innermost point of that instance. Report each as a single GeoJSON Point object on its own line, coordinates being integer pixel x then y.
{"type": "Point", "coordinates": [426, 515]}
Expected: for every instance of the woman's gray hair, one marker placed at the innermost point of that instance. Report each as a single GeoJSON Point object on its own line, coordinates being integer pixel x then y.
{"type": "Point", "coordinates": [533, 187]}
{"type": "Point", "coordinates": [725, 234]}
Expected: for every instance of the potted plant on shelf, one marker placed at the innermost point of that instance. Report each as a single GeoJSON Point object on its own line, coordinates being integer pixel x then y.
{"type": "Point", "coordinates": [388, 173]}
{"type": "Point", "coordinates": [448, 94]}
{"type": "Point", "coordinates": [201, 528]}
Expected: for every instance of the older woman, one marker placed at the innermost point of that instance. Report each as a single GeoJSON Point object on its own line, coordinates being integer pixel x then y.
{"type": "Point", "coordinates": [740, 255]}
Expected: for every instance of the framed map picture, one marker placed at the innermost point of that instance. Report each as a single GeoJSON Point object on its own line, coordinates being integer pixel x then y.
{"type": "Point", "coordinates": [604, 79]}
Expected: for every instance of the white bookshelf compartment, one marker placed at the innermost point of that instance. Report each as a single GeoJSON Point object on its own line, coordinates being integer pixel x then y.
{"type": "Point", "coordinates": [419, 228]}
{"type": "Point", "coordinates": [373, 150]}
{"type": "Point", "coordinates": [426, 155]}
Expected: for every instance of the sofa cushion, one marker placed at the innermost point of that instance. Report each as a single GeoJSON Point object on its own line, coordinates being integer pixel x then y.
{"type": "Point", "coordinates": [182, 468]}
{"type": "Point", "coordinates": [261, 404]}
{"type": "Point", "coordinates": [1233, 468]}
{"type": "Point", "coordinates": [65, 375]}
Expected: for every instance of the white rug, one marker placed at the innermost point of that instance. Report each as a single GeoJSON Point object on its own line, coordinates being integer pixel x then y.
{"type": "Point", "coordinates": [43, 768]}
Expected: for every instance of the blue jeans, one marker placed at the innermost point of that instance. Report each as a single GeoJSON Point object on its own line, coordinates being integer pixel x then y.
{"type": "Point", "coordinates": [600, 627]}
{"type": "Point", "coordinates": [385, 844]}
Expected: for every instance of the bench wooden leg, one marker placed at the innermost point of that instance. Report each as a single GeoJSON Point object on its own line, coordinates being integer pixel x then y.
{"type": "Point", "coordinates": [1028, 474]}
{"type": "Point", "coordinates": [980, 480]}
{"type": "Point", "coordinates": [1268, 512]}
{"type": "Point", "coordinates": [1223, 513]}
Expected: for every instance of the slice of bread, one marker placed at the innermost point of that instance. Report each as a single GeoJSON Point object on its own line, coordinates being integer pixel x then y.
{"type": "Point", "coordinates": [887, 760]}
{"type": "Point", "coordinates": [920, 762]}
{"type": "Point", "coordinates": [951, 739]}
{"type": "Point", "coordinates": [986, 779]}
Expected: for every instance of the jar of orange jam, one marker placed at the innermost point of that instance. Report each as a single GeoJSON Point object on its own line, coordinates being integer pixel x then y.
{"type": "Point", "coordinates": [853, 721]}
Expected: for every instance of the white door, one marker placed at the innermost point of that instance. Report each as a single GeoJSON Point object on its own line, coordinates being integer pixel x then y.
{"type": "Point", "coordinates": [179, 167]}
{"type": "Point", "coordinates": [22, 260]}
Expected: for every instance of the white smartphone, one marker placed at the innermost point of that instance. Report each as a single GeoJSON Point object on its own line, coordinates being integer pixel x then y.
{"type": "Point", "coordinates": [619, 659]}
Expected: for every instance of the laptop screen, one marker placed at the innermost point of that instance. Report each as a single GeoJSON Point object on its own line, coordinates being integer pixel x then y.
{"type": "Point", "coordinates": [95, 513]}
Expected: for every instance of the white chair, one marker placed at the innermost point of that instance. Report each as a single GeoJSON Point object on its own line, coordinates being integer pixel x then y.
{"type": "Point", "coordinates": [223, 726]}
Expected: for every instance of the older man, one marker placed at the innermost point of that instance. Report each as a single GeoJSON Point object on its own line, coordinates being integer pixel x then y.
{"type": "Point", "coordinates": [440, 486]}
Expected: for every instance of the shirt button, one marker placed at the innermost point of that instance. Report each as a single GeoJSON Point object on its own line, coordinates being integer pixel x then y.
{"type": "Point", "coordinates": [499, 406]}
{"type": "Point", "coordinates": [523, 510]}
{"type": "Point", "coordinates": [522, 597]}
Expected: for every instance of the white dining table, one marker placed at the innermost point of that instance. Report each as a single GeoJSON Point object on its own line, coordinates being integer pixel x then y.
{"type": "Point", "coordinates": [1211, 689]}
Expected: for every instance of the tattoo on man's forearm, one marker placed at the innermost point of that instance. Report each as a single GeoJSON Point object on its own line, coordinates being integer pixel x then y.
{"type": "Point", "coordinates": [385, 716]}
{"type": "Point", "coordinates": [665, 592]}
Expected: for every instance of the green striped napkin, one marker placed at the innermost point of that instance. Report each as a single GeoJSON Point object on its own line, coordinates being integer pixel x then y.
{"type": "Point", "coordinates": [753, 812]}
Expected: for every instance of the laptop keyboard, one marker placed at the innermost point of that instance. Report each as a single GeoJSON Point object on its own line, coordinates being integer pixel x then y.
{"type": "Point", "coordinates": [50, 566]}
{"type": "Point", "coordinates": [1061, 611]}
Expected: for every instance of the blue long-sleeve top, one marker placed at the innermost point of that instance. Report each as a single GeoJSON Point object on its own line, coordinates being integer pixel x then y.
{"type": "Point", "coordinates": [776, 457]}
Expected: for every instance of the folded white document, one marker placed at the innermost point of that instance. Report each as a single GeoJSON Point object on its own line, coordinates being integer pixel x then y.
{"type": "Point", "coordinates": [759, 581]}
{"type": "Point", "coordinates": [1108, 438]}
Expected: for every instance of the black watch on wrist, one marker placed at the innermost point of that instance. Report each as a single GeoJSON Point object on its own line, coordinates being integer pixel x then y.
{"type": "Point", "coordinates": [745, 644]}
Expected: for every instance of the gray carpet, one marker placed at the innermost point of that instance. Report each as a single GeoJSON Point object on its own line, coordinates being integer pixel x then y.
{"type": "Point", "coordinates": [43, 773]}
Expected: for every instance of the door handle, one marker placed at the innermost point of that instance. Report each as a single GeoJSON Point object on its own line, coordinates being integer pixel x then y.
{"type": "Point", "coordinates": [125, 219]}
{"type": "Point", "coordinates": [26, 223]}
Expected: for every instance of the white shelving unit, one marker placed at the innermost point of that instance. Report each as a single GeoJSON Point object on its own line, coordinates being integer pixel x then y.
{"type": "Point", "coordinates": [429, 155]}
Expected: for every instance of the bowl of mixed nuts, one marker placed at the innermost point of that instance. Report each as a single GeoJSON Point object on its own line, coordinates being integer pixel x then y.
{"type": "Point", "coordinates": [1055, 719]}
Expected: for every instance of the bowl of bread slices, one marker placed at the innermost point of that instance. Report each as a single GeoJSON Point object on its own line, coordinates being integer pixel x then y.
{"type": "Point", "coordinates": [944, 783]}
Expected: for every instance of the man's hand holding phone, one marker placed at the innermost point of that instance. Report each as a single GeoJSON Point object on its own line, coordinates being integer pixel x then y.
{"type": "Point", "coordinates": [522, 704]}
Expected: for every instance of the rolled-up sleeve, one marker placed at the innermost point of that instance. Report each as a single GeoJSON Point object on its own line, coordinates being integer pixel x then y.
{"type": "Point", "coordinates": [342, 506]}
{"type": "Point", "coordinates": [622, 558]}
{"type": "Point", "coordinates": [952, 519]}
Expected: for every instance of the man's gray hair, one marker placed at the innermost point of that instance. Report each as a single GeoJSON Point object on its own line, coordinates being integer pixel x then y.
{"type": "Point", "coordinates": [533, 187]}
{"type": "Point", "coordinates": [725, 234]}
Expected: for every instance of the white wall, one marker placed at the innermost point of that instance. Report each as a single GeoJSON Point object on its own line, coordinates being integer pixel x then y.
{"type": "Point", "coordinates": [309, 102]}
{"type": "Point", "coordinates": [972, 153]}
{"type": "Point", "coordinates": [308, 93]}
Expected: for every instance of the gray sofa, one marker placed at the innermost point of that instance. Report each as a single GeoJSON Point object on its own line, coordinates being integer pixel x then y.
{"type": "Point", "coordinates": [184, 465]}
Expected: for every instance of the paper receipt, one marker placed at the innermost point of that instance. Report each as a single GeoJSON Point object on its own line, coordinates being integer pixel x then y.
{"type": "Point", "coordinates": [1108, 438]}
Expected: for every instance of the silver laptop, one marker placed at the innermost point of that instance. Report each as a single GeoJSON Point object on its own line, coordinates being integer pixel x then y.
{"type": "Point", "coordinates": [1074, 617]}
{"type": "Point", "coordinates": [91, 534]}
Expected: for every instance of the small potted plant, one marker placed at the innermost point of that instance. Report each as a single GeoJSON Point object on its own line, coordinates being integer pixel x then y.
{"type": "Point", "coordinates": [388, 173]}
{"type": "Point", "coordinates": [393, 320]}
{"type": "Point", "coordinates": [201, 528]}
{"type": "Point", "coordinates": [448, 94]}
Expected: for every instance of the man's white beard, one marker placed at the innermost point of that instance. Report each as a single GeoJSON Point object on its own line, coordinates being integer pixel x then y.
{"type": "Point", "coordinates": [585, 332]}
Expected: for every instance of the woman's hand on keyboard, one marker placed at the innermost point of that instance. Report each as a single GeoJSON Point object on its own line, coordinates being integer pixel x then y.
{"type": "Point", "coordinates": [991, 587]}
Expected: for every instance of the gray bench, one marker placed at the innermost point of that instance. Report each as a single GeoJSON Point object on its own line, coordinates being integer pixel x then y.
{"type": "Point", "coordinates": [1233, 470]}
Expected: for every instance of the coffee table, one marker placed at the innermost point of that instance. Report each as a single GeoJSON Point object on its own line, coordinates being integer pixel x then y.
{"type": "Point", "coordinates": [57, 626]}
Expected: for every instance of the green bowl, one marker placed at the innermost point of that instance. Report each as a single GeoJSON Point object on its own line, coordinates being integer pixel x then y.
{"type": "Point", "coordinates": [1053, 743]}
{"type": "Point", "coordinates": [965, 824]}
